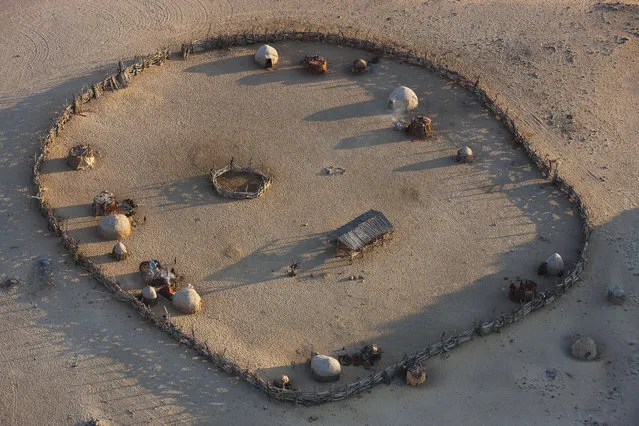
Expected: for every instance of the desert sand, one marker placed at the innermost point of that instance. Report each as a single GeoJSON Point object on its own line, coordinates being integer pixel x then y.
{"type": "Point", "coordinates": [568, 73]}
{"type": "Point", "coordinates": [463, 232]}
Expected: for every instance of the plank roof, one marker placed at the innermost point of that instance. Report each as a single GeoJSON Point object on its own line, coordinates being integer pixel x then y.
{"type": "Point", "coordinates": [363, 230]}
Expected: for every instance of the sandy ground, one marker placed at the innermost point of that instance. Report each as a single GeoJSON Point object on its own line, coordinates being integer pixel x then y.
{"type": "Point", "coordinates": [567, 70]}
{"type": "Point", "coordinates": [462, 232]}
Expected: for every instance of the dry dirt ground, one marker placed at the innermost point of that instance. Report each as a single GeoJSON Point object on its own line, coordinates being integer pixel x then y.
{"type": "Point", "coordinates": [462, 232]}
{"type": "Point", "coordinates": [566, 70]}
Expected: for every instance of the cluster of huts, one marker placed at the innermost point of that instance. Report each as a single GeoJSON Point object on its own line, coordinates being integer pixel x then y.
{"type": "Point", "coordinates": [352, 240]}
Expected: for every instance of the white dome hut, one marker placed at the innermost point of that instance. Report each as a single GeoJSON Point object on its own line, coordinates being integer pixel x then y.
{"type": "Point", "coordinates": [266, 56]}
{"type": "Point", "coordinates": [554, 265]}
{"type": "Point", "coordinates": [187, 300]}
{"type": "Point", "coordinates": [115, 227]}
{"type": "Point", "coordinates": [402, 99]}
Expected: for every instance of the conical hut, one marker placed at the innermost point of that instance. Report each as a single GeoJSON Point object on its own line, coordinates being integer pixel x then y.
{"type": "Point", "coordinates": [81, 157]}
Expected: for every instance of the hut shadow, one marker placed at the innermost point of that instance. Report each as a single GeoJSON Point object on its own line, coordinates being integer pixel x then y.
{"type": "Point", "coordinates": [77, 211]}
{"type": "Point", "coordinates": [372, 138]}
{"type": "Point", "coordinates": [184, 193]}
{"type": "Point", "coordinates": [224, 66]}
{"type": "Point", "coordinates": [128, 281]}
{"type": "Point", "coordinates": [88, 234]}
{"type": "Point", "coordinates": [435, 163]}
{"type": "Point", "coordinates": [56, 165]}
{"type": "Point", "coordinates": [270, 262]}
{"type": "Point", "coordinates": [287, 75]}
{"type": "Point", "coordinates": [367, 108]}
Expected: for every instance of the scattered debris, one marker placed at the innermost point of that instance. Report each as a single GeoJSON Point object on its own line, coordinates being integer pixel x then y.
{"type": "Point", "coordinates": [120, 252]}
{"type": "Point", "coordinates": [366, 231]}
{"type": "Point", "coordinates": [315, 64]}
{"type": "Point", "coordinates": [368, 356]}
{"type": "Point", "coordinates": [266, 56]}
{"type": "Point", "coordinates": [10, 283]}
{"type": "Point", "coordinates": [104, 204]}
{"type": "Point", "coordinates": [167, 291]}
{"type": "Point", "coordinates": [115, 227]}
{"type": "Point", "coordinates": [187, 300]}
{"type": "Point", "coordinates": [584, 349]}
{"type": "Point", "coordinates": [239, 182]}
{"type": "Point", "coordinates": [156, 275]}
{"type": "Point", "coordinates": [283, 383]}
{"type": "Point", "coordinates": [416, 374]}
{"type": "Point", "coordinates": [81, 157]}
{"type": "Point", "coordinates": [402, 99]}
{"type": "Point", "coordinates": [187, 49]}
{"type": "Point", "coordinates": [292, 270]}
{"type": "Point", "coordinates": [359, 67]}
{"type": "Point", "coordinates": [400, 125]}
{"type": "Point", "coordinates": [330, 170]}
{"type": "Point", "coordinates": [616, 295]}
{"type": "Point", "coordinates": [464, 155]}
{"type": "Point", "coordinates": [553, 266]}
{"type": "Point", "coordinates": [127, 207]}
{"type": "Point", "coordinates": [420, 127]}
{"type": "Point", "coordinates": [522, 291]}
{"type": "Point", "coordinates": [149, 296]}
{"type": "Point", "coordinates": [325, 368]}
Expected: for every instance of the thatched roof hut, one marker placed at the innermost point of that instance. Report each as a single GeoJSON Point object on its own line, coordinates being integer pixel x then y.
{"type": "Point", "coordinates": [365, 231]}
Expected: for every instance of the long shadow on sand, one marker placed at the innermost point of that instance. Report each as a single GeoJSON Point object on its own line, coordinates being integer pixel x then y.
{"type": "Point", "coordinates": [265, 264]}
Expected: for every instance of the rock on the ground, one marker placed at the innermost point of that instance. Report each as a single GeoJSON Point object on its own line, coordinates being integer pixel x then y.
{"type": "Point", "coordinates": [115, 227]}
{"type": "Point", "coordinates": [402, 99]}
{"type": "Point", "coordinates": [187, 300]}
{"type": "Point", "coordinates": [266, 56]}
{"type": "Point", "coordinates": [616, 295]}
{"type": "Point", "coordinates": [554, 265]}
{"type": "Point", "coordinates": [584, 349]}
{"type": "Point", "coordinates": [325, 368]}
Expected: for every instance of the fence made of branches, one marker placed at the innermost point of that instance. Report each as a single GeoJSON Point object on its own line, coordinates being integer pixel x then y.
{"type": "Point", "coordinates": [120, 80]}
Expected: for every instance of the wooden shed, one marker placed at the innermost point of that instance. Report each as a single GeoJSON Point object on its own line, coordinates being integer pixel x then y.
{"type": "Point", "coordinates": [364, 232]}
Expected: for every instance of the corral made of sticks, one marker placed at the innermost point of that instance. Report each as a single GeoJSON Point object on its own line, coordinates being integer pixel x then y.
{"type": "Point", "coordinates": [237, 182]}
{"type": "Point", "coordinates": [122, 78]}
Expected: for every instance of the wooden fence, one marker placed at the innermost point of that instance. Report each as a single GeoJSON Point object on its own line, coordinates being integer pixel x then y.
{"type": "Point", "coordinates": [119, 80]}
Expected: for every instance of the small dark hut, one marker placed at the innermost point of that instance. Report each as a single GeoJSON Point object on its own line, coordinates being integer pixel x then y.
{"type": "Point", "coordinates": [81, 157]}
{"type": "Point", "coordinates": [315, 64]}
{"type": "Point", "coordinates": [364, 232]}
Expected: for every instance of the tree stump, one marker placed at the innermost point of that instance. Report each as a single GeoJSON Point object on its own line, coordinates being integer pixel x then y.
{"type": "Point", "coordinates": [81, 157]}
